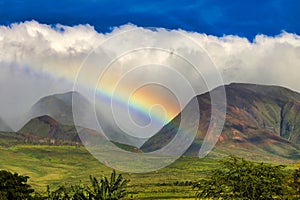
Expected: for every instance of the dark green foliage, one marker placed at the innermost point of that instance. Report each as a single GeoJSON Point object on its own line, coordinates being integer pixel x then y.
{"type": "Point", "coordinates": [112, 189]}
{"type": "Point", "coordinates": [103, 189]}
{"type": "Point", "coordinates": [241, 179]}
{"type": "Point", "coordinates": [60, 194]}
{"type": "Point", "coordinates": [14, 186]}
{"type": "Point", "coordinates": [294, 182]}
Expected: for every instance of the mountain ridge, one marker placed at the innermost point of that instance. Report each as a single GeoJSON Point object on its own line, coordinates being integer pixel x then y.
{"type": "Point", "coordinates": [260, 116]}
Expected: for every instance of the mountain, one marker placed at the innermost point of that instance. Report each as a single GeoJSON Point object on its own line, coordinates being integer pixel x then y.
{"type": "Point", "coordinates": [259, 119]}
{"type": "Point", "coordinates": [47, 127]}
{"type": "Point", "coordinates": [58, 107]}
{"type": "Point", "coordinates": [46, 130]}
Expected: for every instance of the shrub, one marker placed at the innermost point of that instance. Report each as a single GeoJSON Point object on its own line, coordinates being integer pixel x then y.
{"type": "Point", "coordinates": [112, 188]}
{"type": "Point", "coordinates": [241, 179]}
{"type": "Point", "coordinates": [14, 186]}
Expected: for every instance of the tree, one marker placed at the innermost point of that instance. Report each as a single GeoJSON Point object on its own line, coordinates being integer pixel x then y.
{"type": "Point", "coordinates": [103, 189]}
{"type": "Point", "coordinates": [14, 186]}
{"type": "Point", "coordinates": [294, 181]}
{"type": "Point", "coordinates": [106, 189]}
{"type": "Point", "coordinates": [241, 179]}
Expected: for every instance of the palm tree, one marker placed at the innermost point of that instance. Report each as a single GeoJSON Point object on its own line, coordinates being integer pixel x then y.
{"type": "Point", "coordinates": [105, 189]}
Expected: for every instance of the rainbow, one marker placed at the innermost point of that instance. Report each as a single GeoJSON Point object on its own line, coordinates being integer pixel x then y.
{"type": "Point", "coordinates": [140, 103]}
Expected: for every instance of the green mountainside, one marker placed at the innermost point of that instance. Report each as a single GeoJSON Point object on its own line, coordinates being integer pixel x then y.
{"type": "Point", "coordinates": [47, 127]}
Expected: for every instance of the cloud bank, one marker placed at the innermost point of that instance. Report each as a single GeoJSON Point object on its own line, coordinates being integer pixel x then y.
{"type": "Point", "coordinates": [37, 60]}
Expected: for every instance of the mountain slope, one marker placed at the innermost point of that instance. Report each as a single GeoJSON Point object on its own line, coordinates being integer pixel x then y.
{"type": "Point", "coordinates": [47, 127]}
{"type": "Point", "coordinates": [258, 118]}
{"type": "Point", "coordinates": [59, 108]}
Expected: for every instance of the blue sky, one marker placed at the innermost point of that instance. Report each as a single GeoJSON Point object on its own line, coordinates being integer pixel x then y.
{"type": "Point", "coordinates": [244, 18]}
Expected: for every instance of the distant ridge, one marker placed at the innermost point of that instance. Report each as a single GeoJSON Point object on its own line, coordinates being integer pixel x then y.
{"type": "Point", "coordinates": [57, 106]}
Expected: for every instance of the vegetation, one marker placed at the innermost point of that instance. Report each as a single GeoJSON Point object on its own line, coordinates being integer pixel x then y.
{"type": "Point", "coordinates": [294, 182]}
{"type": "Point", "coordinates": [103, 189]}
{"type": "Point", "coordinates": [241, 179]}
{"type": "Point", "coordinates": [66, 170]}
{"type": "Point", "coordinates": [67, 165]}
{"type": "Point", "coordinates": [108, 189]}
{"type": "Point", "coordinates": [14, 186]}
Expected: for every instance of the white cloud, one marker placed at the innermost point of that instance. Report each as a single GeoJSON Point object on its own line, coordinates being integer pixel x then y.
{"type": "Point", "coordinates": [268, 60]}
{"type": "Point", "coordinates": [37, 59]}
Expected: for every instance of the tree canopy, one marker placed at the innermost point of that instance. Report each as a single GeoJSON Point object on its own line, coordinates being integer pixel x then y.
{"type": "Point", "coordinates": [241, 179]}
{"type": "Point", "coordinates": [14, 186]}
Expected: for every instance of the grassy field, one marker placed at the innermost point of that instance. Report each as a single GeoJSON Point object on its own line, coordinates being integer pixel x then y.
{"type": "Point", "coordinates": [65, 165]}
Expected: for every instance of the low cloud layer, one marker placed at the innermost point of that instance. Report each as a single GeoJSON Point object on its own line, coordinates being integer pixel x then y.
{"type": "Point", "coordinates": [37, 60]}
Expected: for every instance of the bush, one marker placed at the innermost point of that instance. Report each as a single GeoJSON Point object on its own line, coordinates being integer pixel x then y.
{"type": "Point", "coordinates": [241, 179]}
{"type": "Point", "coordinates": [294, 182]}
{"type": "Point", "coordinates": [14, 186]}
{"type": "Point", "coordinates": [104, 189]}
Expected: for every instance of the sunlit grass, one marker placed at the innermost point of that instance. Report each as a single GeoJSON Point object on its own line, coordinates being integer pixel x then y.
{"type": "Point", "coordinates": [66, 165]}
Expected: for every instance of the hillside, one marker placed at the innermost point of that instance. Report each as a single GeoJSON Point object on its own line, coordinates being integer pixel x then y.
{"type": "Point", "coordinates": [59, 107]}
{"type": "Point", "coordinates": [47, 127]}
{"type": "Point", "coordinates": [259, 119]}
